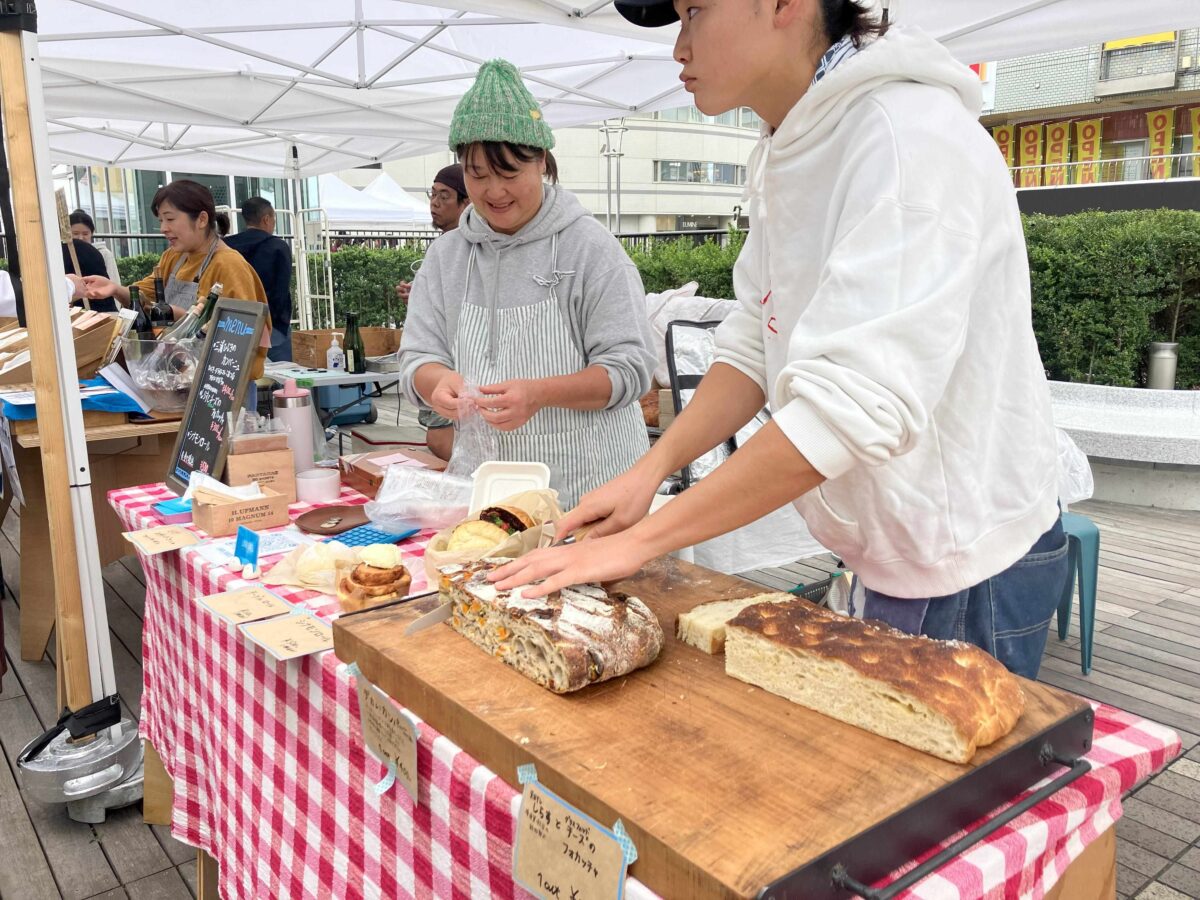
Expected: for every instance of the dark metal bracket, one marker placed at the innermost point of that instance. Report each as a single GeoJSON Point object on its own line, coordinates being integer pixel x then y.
{"type": "Point", "coordinates": [1077, 768]}
{"type": "Point", "coordinates": [847, 870]}
{"type": "Point", "coordinates": [18, 15]}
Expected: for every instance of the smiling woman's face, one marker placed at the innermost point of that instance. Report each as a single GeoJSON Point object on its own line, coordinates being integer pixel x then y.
{"type": "Point", "coordinates": [507, 200]}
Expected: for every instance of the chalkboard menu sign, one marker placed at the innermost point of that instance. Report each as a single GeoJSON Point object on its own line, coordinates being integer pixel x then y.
{"type": "Point", "coordinates": [222, 374]}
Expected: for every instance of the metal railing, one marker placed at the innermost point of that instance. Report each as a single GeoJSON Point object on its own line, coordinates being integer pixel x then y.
{"type": "Point", "coordinates": [1108, 171]}
{"type": "Point", "coordinates": [646, 239]}
{"type": "Point", "coordinates": [377, 240]}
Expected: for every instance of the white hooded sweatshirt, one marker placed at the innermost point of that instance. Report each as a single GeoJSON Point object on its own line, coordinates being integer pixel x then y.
{"type": "Point", "coordinates": [885, 312]}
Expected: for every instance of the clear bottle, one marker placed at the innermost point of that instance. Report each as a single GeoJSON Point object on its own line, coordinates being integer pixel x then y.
{"type": "Point", "coordinates": [356, 357]}
{"type": "Point", "coordinates": [335, 359]}
{"type": "Point", "coordinates": [191, 324]}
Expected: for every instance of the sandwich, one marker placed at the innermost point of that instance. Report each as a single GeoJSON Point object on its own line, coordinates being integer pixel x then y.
{"type": "Point", "coordinates": [491, 528]}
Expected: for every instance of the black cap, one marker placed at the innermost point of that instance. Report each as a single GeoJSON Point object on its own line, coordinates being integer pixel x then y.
{"type": "Point", "coordinates": [648, 13]}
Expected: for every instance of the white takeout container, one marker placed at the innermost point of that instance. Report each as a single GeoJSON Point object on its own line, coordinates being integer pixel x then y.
{"type": "Point", "coordinates": [493, 481]}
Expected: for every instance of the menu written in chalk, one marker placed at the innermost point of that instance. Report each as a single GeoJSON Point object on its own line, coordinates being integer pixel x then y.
{"type": "Point", "coordinates": [222, 374]}
{"type": "Point", "coordinates": [562, 853]}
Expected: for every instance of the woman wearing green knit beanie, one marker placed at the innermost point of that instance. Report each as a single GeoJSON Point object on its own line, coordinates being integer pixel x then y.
{"type": "Point", "coordinates": [529, 315]}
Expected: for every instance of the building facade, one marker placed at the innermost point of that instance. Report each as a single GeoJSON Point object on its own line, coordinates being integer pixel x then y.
{"type": "Point", "coordinates": [1126, 110]}
{"type": "Point", "coordinates": [677, 170]}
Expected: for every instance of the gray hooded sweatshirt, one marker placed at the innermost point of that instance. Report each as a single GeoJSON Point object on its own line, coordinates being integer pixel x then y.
{"type": "Point", "coordinates": [602, 298]}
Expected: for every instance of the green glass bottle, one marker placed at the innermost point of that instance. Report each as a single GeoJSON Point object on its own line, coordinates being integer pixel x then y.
{"type": "Point", "coordinates": [352, 345]}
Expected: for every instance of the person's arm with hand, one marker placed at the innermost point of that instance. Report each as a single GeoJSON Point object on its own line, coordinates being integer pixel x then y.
{"type": "Point", "coordinates": [97, 287]}
{"type": "Point", "coordinates": [736, 493]}
{"type": "Point", "coordinates": [510, 404]}
{"type": "Point", "coordinates": [442, 387]}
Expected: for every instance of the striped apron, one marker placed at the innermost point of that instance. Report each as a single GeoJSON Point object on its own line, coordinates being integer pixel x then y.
{"type": "Point", "coordinates": [584, 449]}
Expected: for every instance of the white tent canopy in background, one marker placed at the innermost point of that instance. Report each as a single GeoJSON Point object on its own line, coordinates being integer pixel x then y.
{"type": "Point", "coordinates": [348, 208]}
{"type": "Point", "coordinates": [385, 189]}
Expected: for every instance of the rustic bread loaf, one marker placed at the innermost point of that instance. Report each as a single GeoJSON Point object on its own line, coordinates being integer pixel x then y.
{"type": "Point", "coordinates": [942, 697]}
{"type": "Point", "coordinates": [565, 641]}
{"type": "Point", "coordinates": [704, 626]}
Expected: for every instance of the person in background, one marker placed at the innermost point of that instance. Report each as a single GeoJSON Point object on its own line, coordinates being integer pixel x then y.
{"type": "Point", "coordinates": [884, 317]}
{"type": "Point", "coordinates": [195, 259]}
{"type": "Point", "coordinates": [84, 229]}
{"type": "Point", "coordinates": [271, 257]}
{"type": "Point", "coordinates": [533, 301]}
{"type": "Point", "coordinates": [447, 202]}
{"type": "Point", "coordinates": [90, 263]}
{"type": "Point", "coordinates": [73, 289]}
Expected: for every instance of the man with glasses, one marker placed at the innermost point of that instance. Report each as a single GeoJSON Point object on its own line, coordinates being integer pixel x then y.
{"type": "Point", "coordinates": [447, 202]}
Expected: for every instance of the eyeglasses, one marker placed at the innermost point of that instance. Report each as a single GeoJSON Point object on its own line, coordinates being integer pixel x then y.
{"type": "Point", "coordinates": [441, 197]}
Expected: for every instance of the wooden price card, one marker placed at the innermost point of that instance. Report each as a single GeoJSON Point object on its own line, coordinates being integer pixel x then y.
{"type": "Point", "coordinates": [290, 636]}
{"type": "Point", "coordinates": [248, 604]}
{"type": "Point", "coordinates": [389, 734]}
{"type": "Point", "coordinates": [561, 853]}
{"type": "Point", "coordinates": [165, 538]}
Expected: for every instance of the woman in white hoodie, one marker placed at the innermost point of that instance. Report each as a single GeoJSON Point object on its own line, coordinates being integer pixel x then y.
{"type": "Point", "coordinates": [884, 319]}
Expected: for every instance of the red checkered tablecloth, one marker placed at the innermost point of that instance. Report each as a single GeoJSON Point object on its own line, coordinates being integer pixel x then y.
{"type": "Point", "coordinates": [271, 777]}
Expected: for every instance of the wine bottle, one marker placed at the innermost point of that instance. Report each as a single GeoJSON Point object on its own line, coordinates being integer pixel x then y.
{"type": "Point", "coordinates": [191, 325]}
{"type": "Point", "coordinates": [145, 330]}
{"type": "Point", "coordinates": [352, 346]}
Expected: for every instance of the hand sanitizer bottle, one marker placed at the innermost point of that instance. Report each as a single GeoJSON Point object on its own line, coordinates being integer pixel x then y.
{"type": "Point", "coordinates": [334, 357]}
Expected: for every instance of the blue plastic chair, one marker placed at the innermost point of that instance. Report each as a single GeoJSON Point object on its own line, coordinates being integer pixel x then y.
{"type": "Point", "coordinates": [1083, 555]}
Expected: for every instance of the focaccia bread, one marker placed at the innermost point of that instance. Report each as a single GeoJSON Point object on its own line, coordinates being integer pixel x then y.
{"type": "Point", "coordinates": [566, 641]}
{"type": "Point", "coordinates": [704, 626]}
{"type": "Point", "coordinates": [945, 698]}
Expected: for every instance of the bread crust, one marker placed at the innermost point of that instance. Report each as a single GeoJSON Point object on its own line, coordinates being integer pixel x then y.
{"type": "Point", "coordinates": [960, 682]}
{"type": "Point", "coordinates": [354, 594]}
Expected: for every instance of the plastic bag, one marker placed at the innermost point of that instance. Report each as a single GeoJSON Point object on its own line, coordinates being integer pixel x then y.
{"type": "Point", "coordinates": [414, 495]}
{"type": "Point", "coordinates": [1074, 472]}
{"type": "Point", "coordinates": [475, 441]}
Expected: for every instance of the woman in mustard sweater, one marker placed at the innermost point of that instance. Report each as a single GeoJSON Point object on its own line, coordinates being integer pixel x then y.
{"type": "Point", "coordinates": [196, 258]}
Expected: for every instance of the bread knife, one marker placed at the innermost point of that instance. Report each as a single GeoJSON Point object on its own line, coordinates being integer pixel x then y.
{"type": "Point", "coordinates": [441, 614]}
{"type": "Point", "coordinates": [379, 606]}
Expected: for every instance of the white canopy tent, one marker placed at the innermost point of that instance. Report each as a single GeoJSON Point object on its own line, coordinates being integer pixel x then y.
{"type": "Point", "coordinates": [348, 208]}
{"type": "Point", "coordinates": [385, 189]}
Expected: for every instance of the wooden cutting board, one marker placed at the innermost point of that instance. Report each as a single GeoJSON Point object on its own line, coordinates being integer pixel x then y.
{"type": "Point", "coordinates": [722, 786]}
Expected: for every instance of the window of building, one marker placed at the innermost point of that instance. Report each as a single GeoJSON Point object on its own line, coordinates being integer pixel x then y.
{"type": "Point", "coordinates": [690, 172]}
{"type": "Point", "coordinates": [1134, 165]}
{"type": "Point", "coordinates": [735, 118]}
{"type": "Point", "coordinates": [1187, 162]}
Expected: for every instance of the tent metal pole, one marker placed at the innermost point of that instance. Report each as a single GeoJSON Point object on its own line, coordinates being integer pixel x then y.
{"type": "Point", "coordinates": [85, 649]}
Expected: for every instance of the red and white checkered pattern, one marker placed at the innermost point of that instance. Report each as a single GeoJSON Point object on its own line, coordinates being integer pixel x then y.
{"type": "Point", "coordinates": [271, 777]}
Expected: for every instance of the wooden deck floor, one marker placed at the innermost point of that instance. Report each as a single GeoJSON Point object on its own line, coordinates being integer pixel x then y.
{"type": "Point", "coordinates": [1146, 660]}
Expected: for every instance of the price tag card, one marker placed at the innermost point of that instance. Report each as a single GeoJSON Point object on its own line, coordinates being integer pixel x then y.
{"type": "Point", "coordinates": [153, 541]}
{"type": "Point", "coordinates": [245, 605]}
{"type": "Point", "coordinates": [561, 853]}
{"type": "Point", "coordinates": [286, 638]}
{"type": "Point", "coordinates": [389, 734]}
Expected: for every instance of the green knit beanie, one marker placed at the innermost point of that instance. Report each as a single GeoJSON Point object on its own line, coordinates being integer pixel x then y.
{"type": "Point", "coordinates": [499, 108]}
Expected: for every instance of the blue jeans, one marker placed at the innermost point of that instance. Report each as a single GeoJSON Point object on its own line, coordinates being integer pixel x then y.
{"type": "Point", "coordinates": [1008, 615]}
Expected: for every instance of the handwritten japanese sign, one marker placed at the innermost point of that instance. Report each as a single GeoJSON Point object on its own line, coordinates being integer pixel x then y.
{"type": "Point", "coordinates": [291, 636]}
{"type": "Point", "coordinates": [561, 853]}
{"type": "Point", "coordinates": [245, 605]}
{"type": "Point", "coordinates": [389, 734]}
{"type": "Point", "coordinates": [153, 541]}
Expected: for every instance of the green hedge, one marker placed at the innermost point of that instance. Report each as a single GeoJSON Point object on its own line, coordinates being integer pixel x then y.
{"type": "Point", "coordinates": [1104, 286]}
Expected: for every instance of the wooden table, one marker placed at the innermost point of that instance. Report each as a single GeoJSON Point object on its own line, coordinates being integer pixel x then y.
{"type": "Point", "coordinates": [706, 772]}
{"type": "Point", "coordinates": [119, 456]}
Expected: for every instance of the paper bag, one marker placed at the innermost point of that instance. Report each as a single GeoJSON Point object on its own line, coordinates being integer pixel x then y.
{"type": "Point", "coordinates": [541, 505]}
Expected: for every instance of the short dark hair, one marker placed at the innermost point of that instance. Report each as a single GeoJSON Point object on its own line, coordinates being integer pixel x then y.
{"type": "Point", "coordinates": [189, 197]}
{"type": "Point", "coordinates": [500, 156]}
{"type": "Point", "coordinates": [255, 209]}
{"type": "Point", "coordinates": [79, 217]}
{"type": "Point", "coordinates": [846, 17]}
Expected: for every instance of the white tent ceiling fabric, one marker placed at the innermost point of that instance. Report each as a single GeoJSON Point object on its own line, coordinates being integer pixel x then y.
{"type": "Point", "coordinates": [231, 86]}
